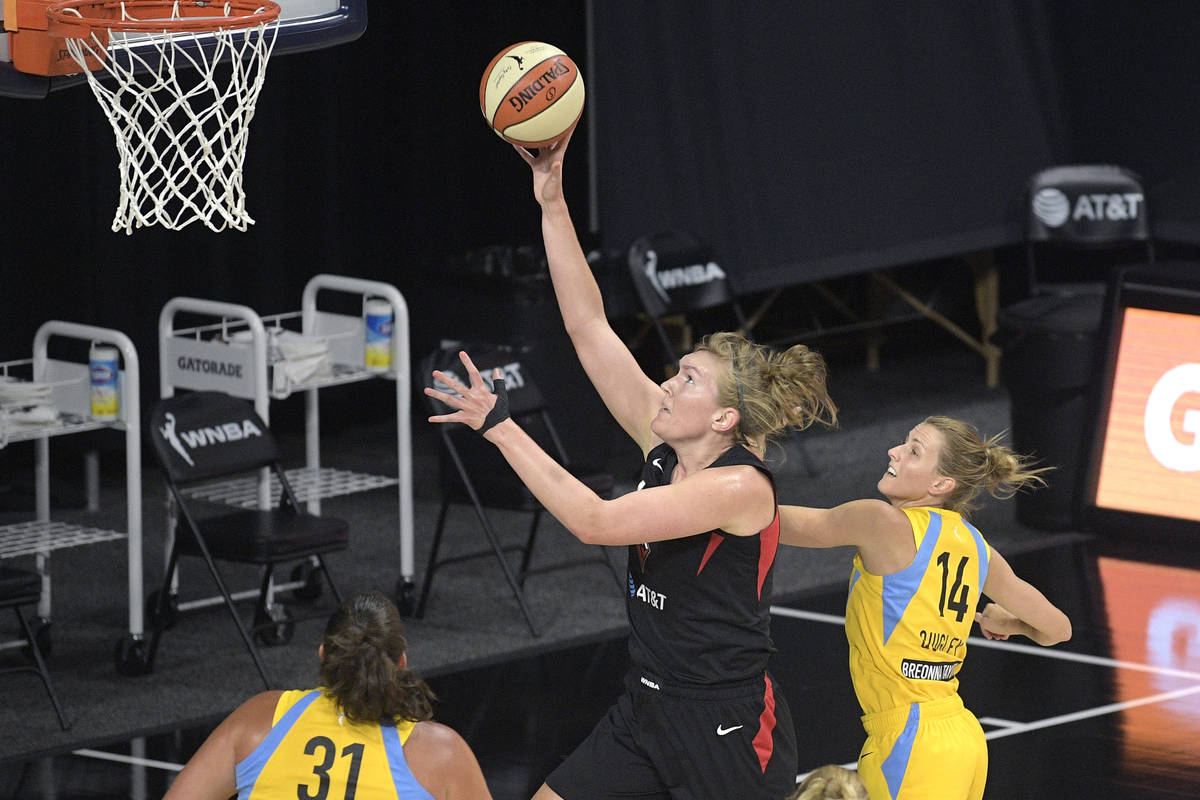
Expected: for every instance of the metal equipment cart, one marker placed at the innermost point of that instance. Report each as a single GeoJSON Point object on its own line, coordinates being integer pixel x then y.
{"type": "Point", "coordinates": [70, 389]}
{"type": "Point", "coordinates": [233, 356]}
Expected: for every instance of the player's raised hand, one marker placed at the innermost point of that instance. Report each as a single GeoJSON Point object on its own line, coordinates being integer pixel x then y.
{"type": "Point", "coordinates": [547, 167]}
{"type": "Point", "coordinates": [476, 406]}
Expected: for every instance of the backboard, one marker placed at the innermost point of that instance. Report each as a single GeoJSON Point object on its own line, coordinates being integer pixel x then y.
{"type": "Point", "coordinates": [304, 25]}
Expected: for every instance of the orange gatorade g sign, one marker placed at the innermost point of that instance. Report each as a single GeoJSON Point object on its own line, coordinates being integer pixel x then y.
{"type": "Point", "coordinates": [1150, 462]}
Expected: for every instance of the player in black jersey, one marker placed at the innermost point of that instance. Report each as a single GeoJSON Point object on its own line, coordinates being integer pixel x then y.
{"type": "Point", "coordinates": [701, 717]}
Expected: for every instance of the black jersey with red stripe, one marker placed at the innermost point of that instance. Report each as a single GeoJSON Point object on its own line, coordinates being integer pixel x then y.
{"type": "Point", "coordinates": [699, 607]}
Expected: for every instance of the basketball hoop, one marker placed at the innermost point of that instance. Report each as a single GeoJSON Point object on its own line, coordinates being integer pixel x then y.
{"type": "Point", "coordinates": [178, 81]}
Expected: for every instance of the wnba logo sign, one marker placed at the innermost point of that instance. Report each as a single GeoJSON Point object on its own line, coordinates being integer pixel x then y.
{"type": "Point", "coordinates": [664, 280]}
{"type": "Point", "coordinates": [1164, 445]}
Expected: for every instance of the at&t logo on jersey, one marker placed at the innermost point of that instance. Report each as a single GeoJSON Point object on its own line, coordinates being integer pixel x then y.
{"type": "Point", "coordinates": [656, 600]}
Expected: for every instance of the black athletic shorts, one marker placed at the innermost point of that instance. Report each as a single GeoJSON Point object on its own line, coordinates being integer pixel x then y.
{"type": "Point", "coordinates": [715, 743]}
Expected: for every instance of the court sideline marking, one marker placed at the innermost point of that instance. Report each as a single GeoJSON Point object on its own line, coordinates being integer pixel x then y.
{"type": "Point", "coordinates": [1006, 727]}
{"type": "Point", "coordinates": [1010, 728]}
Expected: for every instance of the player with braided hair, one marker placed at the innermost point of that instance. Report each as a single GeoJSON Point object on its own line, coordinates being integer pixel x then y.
{"type": "Point", "coordinates": [919, 573]}
{"type": "Point", "coordinates": [367, 732]}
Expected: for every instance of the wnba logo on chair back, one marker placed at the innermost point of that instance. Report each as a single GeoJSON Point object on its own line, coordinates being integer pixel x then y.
{"type": "Point", "coordinates": [1151, 448]}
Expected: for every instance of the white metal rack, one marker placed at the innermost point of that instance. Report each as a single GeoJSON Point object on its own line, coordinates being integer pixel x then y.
{"type": "Point", "coordinates": [70, 392]}
{"type": "Point", "coordinates": [232, 356]}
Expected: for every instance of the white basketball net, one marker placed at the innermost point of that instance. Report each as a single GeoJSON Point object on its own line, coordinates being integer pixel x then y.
{"type": "Point", "coordinates": [181, 114]}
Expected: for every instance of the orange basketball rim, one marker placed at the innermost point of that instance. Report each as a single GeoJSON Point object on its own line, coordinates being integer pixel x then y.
{"type": "Point", "coordinates": [181, 123]}
{"type": "Point", "coordinates": [77, 19]}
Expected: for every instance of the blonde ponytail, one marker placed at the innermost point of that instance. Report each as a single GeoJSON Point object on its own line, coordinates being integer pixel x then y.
{"type": "Point", "coordinates": [772, 391]}
{"type": "Point", "coordinates": [977, 464]}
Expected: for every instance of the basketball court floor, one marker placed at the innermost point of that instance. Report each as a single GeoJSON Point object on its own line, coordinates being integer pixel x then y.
{"type": "Point", "coordinates": [1113, 713]}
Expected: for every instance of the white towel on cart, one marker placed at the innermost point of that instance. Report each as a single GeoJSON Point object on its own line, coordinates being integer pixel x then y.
{"type": "Point", "coordinates": [293, 357]}
{"type": "Point", "coordinates": [26, 404]}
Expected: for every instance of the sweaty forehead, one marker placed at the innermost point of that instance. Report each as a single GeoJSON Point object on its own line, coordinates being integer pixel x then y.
{"type": "Point", "coordinates": [925, 435]}
{"type": "Point", "coordinates": [701, 361]}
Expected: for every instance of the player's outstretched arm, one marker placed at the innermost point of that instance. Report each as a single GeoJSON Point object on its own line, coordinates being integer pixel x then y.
{"type": "Point", "coordinates": [738, 499]}
{"type": "Point", "coordinates": [1019, 608]}
{"type": "Point", "coordinates": [881, 532]}
{"type": "Point", "coordinates": [847, 524]}
{"type": "Point", "coordinates": [631, 397]}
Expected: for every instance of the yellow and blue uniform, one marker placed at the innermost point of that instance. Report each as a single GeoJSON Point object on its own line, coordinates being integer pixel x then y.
{"type": "Point", "coordinates": [313, 753]}
{"type": "Point", "coordinates": [908, 638]}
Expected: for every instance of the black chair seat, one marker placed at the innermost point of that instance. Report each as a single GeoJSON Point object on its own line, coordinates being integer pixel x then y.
{"type": "Point", "coordinates": [19, 587]}
{"type": "Point", "coordinates": [22, 587]}
{"type": "Point", "coordinates": [262, 537]}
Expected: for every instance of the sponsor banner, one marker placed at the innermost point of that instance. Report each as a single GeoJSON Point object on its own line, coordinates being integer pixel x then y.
{"type": "Point", "coordinates": [210, 366]}
{"type": "Point", "coordinates": [202, 434]}
{"type": "Point", "coordinates": [1087, 203]}
{"type": "Point", "coordinates": [1150, 461]}
{"type": "Point", "coordinates": [186, 442]}
{"type": "Point", "coordinates": [672, 274]}
{"type": "Point", "coordinates": [1101, 216]}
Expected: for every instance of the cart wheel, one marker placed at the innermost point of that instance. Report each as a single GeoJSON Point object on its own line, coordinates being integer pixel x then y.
{"type": "Point", "coordinates": [130, 656]}
{"type": "Point", "coordinates": [275, 626]}
{"type": "Point", "coordinates": [41, 639]}
{"type": "Point", "coordinates": [170, 616]}
{"type": "Point", "coordinates": [311, 575]}
{"type": "Point", "coordinates": [405, 588]}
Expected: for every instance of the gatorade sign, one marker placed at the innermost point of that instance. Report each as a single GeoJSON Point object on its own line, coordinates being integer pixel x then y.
{"type": "Point", "coordinates": [1150, 461]}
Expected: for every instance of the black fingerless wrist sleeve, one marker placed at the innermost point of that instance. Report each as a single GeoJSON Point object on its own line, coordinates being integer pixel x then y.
{"type": "Point", "coordinates": [499, 412]}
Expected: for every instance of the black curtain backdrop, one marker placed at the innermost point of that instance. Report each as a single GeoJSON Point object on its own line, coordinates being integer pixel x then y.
{"type": "Point", "coordinates": [1128, 76]}
{"type": "Point", "coordinates": [804, 139]}
{"type": "Point", "coordinates": [810, 140]}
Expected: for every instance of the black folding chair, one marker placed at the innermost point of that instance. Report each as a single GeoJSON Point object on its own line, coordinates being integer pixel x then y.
{"type": "Point", "coordinates": [204, 435]}
{"type": "Point", "coordinates": [674, 274]}
{"type": "Point", "coordinates": [1084, 219]}
{"type": "Point", "coordinates": [20, 587]}
{"type": "Point", "coordinates": [1084, 222]}
{"type": "Point", "coordinates": [472, 469]}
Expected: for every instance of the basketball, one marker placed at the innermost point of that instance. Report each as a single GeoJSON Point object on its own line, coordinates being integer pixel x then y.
{"type": "Point", "coordinates": [531, 94]}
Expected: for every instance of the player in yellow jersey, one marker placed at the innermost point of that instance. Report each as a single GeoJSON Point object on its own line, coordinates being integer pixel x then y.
{"type": "Point", "coordinates": [367, 733]}
{"type": "Point", "coordinates": [917, 578]}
